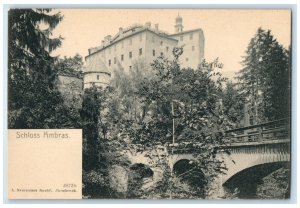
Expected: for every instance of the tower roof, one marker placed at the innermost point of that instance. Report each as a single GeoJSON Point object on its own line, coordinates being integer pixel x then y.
{"type": "Point", "coordinates": [178, 18]}
{"type": "Point", "coordinates": [96, 65]}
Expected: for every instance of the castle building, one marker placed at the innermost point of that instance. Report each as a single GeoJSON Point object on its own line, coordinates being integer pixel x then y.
{"type": "Point", "coordinates": [141, 43]}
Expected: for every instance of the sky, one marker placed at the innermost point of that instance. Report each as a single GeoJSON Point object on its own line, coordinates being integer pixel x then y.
{"type": "Point", "coordinates": [227, 32]}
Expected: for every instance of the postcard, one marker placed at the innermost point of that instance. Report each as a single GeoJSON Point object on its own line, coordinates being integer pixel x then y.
{"type": "Point", "coordinates": [149, 103]}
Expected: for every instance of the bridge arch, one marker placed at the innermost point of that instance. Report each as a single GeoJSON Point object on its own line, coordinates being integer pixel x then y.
{"type": "Point", "coordinates": [138, 174]}
{"type": "Point", "coordinates": [173, 159]}
{"type": "Point", "coordinates": [141, 170]}
{"type": "Point", "coordinates": [187, 171]}
{"type": "Point", "coordinates": [182, 166]}
{"type": "Point", "coordinates": [247, 180]}
{"type": "Point", "coordinates": [248, 156]}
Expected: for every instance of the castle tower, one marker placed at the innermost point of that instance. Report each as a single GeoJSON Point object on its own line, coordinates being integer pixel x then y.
{"type": "Point", "coordinates": [178, 26]}
{"type": "Point", "coordinates": [96, 73]}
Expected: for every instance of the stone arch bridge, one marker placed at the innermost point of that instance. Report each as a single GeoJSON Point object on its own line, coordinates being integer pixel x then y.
{"type": "Point", "coordinates": [255, 152]}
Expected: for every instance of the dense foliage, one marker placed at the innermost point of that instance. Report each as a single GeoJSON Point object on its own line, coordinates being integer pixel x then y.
{"type": "Point", "coordinates": [70, 66]}
{"type": "Point", "coordinates": [100, 153]}
{"type": "Point", "coordinates": [94, 167]}
{"type": "Point", "coordinates": [233, 105]}
{"type": "Point", "coordinates": [276, 185]}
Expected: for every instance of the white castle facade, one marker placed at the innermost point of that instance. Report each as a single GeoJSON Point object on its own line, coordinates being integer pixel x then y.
{"type": "Point", "coordinates": [141, 43]}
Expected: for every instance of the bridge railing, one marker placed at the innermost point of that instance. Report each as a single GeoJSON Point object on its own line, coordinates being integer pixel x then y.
{"type": "Point", "coordinates": [274, 130]}
{"type": "Point", "coordinates": [269, 131]}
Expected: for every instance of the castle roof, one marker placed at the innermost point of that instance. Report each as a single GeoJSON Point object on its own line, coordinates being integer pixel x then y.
{"type": "Point", "coordinates": [130, 31]}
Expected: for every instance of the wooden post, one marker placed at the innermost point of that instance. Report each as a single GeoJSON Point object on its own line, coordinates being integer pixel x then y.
{"type": "Point", "coordinates": [173, 119]}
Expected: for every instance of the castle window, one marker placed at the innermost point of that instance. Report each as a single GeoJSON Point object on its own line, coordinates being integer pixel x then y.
{"type": "Point", "coordinates": [191, 36]}
{"type": "Point", "coordinates": [167, 49]}
{"type": "Point", "coordinates": [98, 76]}
{"type": "Point", "coordinates": [130, 67]}
{"type": "Point", "coordinates": [122, 57]}
{"type": "Point", "coordinates": [161, 54]}
{"type": "Point", "coordinates": [181, 38]}
{"type": "Point", "coordinates": [161, 43]}
{"type": "Point", "coordinates": [186, 59]}
{"type": "Point", "coordinates": [109, 62]}
{"type": "Point", "coordinates": [153, 52]}
{"type": "Point", "coordinates": [193, 48]}
{"type": "Point", "coordinates": [130, 54]}
{"type": "Point", "coordinates": [115, 60]}
{"type": "Point", "coordinates": [140, 51]}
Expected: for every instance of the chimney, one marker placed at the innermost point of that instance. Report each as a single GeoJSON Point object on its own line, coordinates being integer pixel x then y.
{"type": "Point", "coordinates": [107, 39]}
{"type": "Point", "coordinates": [102, 43]}
{"type": "Point", "coordinates": [156, 27]}
{"type": "Point", "coordinates": [148, 24]}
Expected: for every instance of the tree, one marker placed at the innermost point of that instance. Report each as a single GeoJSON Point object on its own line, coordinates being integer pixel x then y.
{"type": "Point", "coordinates": [123, 102]}
{"type": "Point", "coordinates": [70, 65]}
{"type": "Point", "coordinates": [264, 80]}
{"type": "Point", "coordinates": [34, 101]}
{"type": "Point", "coordinates": [100, 152]}
{"type": "Point", "coordinates": [95, 173]}
{"type": "Point", "coordinates": [90, 115]}
{"type": "Point", "coordinates": [183, 106]}
{"type": "Point", "coordinates": [233, 104]}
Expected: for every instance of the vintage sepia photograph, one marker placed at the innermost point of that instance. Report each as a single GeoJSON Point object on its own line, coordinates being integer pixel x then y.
{"type": "Point", "coordinates": [154, 103]}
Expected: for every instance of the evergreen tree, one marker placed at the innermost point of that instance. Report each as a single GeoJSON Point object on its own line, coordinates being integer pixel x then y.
{"type": "Point", "coordinates": [34, 101]}
{"type": "Point", "coordinates": [264, 80]}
